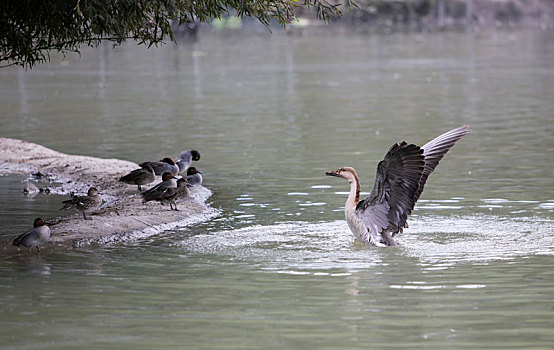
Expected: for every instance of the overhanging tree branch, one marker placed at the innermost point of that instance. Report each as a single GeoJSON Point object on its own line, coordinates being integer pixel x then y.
{"type": "Point", "coordinates": [30, 30]}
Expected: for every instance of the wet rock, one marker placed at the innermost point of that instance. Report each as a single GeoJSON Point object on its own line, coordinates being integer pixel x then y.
{"type": "Point", "coordinates": [31, 189]}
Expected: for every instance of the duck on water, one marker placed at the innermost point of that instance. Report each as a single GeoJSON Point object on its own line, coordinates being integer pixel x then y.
{"type": "Point", "coordinates": [398, 184]}
{"type": "Point", "coordinates": [35, 237]}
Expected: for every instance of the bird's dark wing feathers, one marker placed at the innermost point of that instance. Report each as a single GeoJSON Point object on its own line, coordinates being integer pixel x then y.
{"type": "Point", "coordinates": [400, 180]}
{"type": "Point", "coordinates": [435, 150]}
{"type": "Point", "coordinates": [392, 198]}
{"type": "Point", "coordinates": [17, 241]}
{"type": "Point", "coordinates": [131, 176]}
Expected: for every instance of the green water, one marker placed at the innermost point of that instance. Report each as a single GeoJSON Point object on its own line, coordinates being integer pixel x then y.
{"type": "Point", "coordinates": [278, 268]}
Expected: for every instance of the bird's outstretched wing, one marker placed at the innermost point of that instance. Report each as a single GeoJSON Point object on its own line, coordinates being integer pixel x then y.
{"type": "Point", "coordinates": [434, 150]}
{"type": "Point", "coordinates": [392, 198]}
{"type": "Point", "coordinates": [400, 180]}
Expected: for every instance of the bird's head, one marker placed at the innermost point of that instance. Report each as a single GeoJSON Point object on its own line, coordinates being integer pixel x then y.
{"type": "Point", "coordinates": [38, 222]}
{"type": "Point", "coordinates": [192, 170]}
{"type": "Point", "coordinates": [167, 176]}
{"type": "Point", "coordinates": [195, 155]}
{"type": "Point", "coordinates": [93, 191]}
{"type": "Point", "coordinates": [168, 161]}
{"type": "Point", "coordinates": [347, 173]}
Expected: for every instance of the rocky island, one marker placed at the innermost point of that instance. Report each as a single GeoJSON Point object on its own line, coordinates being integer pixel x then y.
{"type": "Point", "coordinates": [121, 217]}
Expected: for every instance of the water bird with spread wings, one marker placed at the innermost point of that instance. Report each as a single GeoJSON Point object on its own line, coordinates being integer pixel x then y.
{"type": "Point", "coordinates": [399, 182]}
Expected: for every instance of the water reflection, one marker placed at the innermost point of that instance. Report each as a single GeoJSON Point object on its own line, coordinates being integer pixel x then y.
{"type": "Point", "coordinates": [24, 263]}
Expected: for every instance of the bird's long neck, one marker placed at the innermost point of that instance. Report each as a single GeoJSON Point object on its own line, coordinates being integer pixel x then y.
{"type": "Point", "coordinates": [354, 195]}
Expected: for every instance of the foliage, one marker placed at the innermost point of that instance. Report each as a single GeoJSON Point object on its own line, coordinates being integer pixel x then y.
{"type": "Point", "coordinates": [30, 29]}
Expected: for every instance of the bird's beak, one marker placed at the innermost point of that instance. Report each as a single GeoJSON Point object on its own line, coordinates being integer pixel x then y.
{"type": "Point", "coordinates": [332, 173]}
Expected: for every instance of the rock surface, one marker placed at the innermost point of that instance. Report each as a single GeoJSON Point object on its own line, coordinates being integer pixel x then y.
{"type": "Point", "coordinates": [122, 217]}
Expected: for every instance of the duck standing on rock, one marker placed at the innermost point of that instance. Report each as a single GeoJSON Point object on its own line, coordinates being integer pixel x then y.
{"type": "Point", "coordinates": [139, 177]}
{"type": "Point", "coordinates": [169, 195]}
{"type": "Point", "coordinates": [194, 177]}
{"type": "Point", "coordinates": [160, 167]}
{"type": "Point", "coordinates": [84, 203]}
{"type": "Point", "coordinates": [186, 158]}
{"type": "Point", "coordinates": [35, 237]}
{"type": "Point", "coordinates": [181, 193]}
{"type": "Point", "coordinates": [168, 181]}
{"type": "Point", "coordinates": [399, 182]}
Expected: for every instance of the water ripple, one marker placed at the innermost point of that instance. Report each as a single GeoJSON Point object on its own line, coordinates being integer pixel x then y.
{"type": "Point", "coordinates": [437, 243]}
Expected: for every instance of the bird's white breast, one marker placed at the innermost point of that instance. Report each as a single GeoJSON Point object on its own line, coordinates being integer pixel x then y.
{"type": "Point", "coordinates": [355, 224]}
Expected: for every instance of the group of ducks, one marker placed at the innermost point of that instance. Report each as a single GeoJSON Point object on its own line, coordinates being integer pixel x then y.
{"type": "Point", "coordinates": [171, 188]}
{"type": "Point", "coordinates": [169, 191]}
